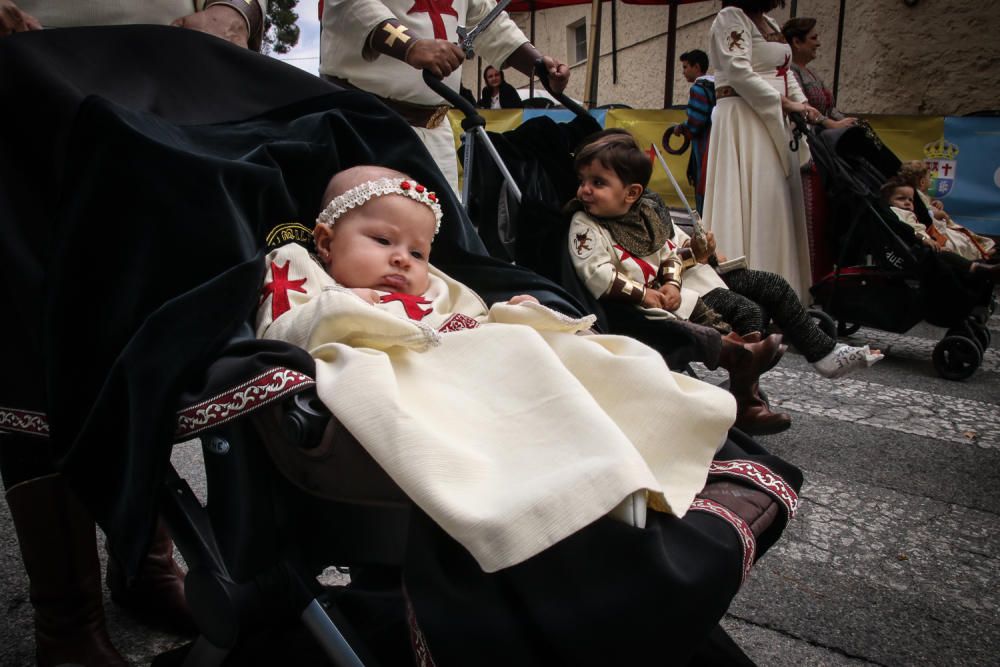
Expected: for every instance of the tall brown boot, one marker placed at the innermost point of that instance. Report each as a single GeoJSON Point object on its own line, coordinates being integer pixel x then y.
{"type": "Point", "coordinates": [156, 595]}
{"type": "Point", "coordinates": [59, 548]}
{"type": "Point", "coordinates": [745, 362]}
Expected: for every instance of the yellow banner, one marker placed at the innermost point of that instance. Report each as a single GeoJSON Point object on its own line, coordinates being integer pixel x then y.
{"type": "Point", "coordinates": [906, 136]}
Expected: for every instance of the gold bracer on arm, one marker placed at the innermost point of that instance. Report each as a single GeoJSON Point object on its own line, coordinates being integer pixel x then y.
{"type": "Point", "coordinates": [252, 14]}
{"type": "Point", "coordinates": [687, 256]}
{"type": "Point", "coordinates": [670, 272]}
{"type": "Point", "coordinates": [391, 38]}
{"type": "Point", "coordinates": [625, 289]}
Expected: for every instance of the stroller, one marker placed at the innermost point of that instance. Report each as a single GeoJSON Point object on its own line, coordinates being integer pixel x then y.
{"type": "Point", "coordinates": [881, 277]}
{"type": "Point", "coordinates": [170, 358]}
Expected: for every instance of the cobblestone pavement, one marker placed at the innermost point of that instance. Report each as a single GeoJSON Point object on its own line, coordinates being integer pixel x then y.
{"type": "Point", "coordinates": [892, 559]}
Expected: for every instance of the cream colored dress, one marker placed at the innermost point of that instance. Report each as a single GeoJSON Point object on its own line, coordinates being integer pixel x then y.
{"type": "Point", "coordinates": [507, 428]}
{"type": "Point", "coordinates": [753, 198]}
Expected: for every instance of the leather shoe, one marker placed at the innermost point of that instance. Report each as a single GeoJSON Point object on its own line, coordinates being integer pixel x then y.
{"type": "Point", "coordinates": [755, 418]}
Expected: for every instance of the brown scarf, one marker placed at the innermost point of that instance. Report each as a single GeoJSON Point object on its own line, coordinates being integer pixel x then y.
{"type": "Point", "coordinates": [643, 230]}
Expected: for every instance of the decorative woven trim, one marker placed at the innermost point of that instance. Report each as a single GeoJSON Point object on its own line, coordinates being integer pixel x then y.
{"type": "Point", "coordinates": [421, 654]}
{"type": "Point", "coordinates": [736, 521]}
{"type": "Point", "coordinates": [361, 193]}
{"type": "Point", "coordinates": [13, 420]}
{"type": "Point", "coordinates": [247, 397]}
{"type": "Point", "coordinates": [762, 477]}
{"type": "Point", "coordinates": [458, 322]}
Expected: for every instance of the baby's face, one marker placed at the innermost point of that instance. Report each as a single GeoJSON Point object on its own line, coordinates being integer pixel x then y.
{"type": "Point", "coordinates": [902, 198]}
{"type": "Point", "coordinates": [383, 245]}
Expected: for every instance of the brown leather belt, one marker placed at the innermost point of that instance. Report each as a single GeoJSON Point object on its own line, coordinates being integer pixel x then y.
{"type": "Point", "coordinates": [725, 91]}
{"type": "Point", "coordinates": [417, 115]}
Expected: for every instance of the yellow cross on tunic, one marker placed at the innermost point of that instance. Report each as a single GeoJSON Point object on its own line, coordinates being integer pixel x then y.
{"type": "Point", "coordinates": [395, 32]}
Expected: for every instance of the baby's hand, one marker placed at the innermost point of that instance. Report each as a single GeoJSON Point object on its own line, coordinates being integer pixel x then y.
{"type": "Point", "coordinates": [930, 243]}
{"type": "Point", "coordinates": [671, 297]}
{"type": "Point", "coordinates": [369, 295]}
{"type": "Point", "coordinates": [522, 298]}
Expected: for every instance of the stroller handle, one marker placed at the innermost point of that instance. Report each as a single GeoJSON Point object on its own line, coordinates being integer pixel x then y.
{"type": "Point", "coordinates": [450, 96]}
{"type": "Point", "coordinates": [800, 128]}
{"type": "Point", "coordinates": [543, 76]}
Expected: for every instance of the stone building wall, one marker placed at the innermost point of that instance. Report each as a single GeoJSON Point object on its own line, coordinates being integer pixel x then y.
{"type": "Point", "coordinates": [937, 57]}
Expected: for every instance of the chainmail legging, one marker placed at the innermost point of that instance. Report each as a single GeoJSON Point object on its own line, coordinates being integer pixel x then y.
{"type": "Point", "coordinates": [754, 297]}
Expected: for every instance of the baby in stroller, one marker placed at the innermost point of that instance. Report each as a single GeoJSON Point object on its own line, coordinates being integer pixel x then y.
{"type": "Point", "coordinates": [512, 436]}
{"type": "Point", "coordinates": [900, 195]}
{"type": "Point", "coordinates": [945, 232]}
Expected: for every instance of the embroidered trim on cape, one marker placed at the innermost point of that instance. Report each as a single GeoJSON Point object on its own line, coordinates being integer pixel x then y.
{"type": "Point", "coordinates": [737, 522]}
{"type": "Point", "coordinates": [421, 654]}
{"type": "Point", "coordinates": [247, 397]}
{"type": "Point", "coordinates": [13, 420]}
{"type": "Point", "coordinates": [458, 322]}
{"type": "Point", "coordinates": [762, 477]}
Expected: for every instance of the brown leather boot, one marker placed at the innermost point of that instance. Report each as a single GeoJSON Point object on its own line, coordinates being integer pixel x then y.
{"type": "Point", "coordinates": [752, 414]}
{"type": "Point", "coordinates": [156, 595]}
{"type": "Point", "coordinates": [59, 546]}
{"type": "Point", "coordinates": [745, 363]}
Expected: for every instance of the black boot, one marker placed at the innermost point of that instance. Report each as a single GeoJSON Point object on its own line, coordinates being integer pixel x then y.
{"type": "Point", "coordinates": [58, 544]}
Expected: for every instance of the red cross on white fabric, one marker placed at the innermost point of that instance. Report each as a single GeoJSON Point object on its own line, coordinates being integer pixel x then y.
{"type": "Point", "coordinates": [411, 304]}
{"type": "Point", "coordinates": [435, 9]}
{"type": "Point", "coordinates": [782, 71]}
{"type": "Point", "coordinates": [278, 290]}
{"type": "Point", "coordinates": [648, 272]}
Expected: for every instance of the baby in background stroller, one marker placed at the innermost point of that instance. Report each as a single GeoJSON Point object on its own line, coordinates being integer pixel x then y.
{"type": "Point", "coordinates": [885, 276]}
{"type": "Point", "coordinates": [414, 365]}
{"type": "Point", "coordinates": [946, 234]}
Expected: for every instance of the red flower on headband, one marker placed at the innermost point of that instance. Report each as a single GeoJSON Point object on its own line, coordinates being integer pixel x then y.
{"type": "Point", "coordinates": [419, 188]}
{"type": "Point", "coordinates": [405, 185]}
{"type": "Point", "coordinates": [432, 196]}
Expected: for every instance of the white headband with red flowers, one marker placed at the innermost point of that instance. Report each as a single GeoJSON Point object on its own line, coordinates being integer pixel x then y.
{"type": "Point", "coordinates": [361, 193]}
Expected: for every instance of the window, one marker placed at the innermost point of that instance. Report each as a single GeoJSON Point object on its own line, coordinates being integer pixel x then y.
{"type": "Point", "coordinates": [576, 36]}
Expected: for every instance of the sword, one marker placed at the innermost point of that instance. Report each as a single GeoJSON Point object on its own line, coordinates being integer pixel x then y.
{"type": "Point", "coordinates": [466, 35]}
{"type": "Point", "coordinates": [699, 236]}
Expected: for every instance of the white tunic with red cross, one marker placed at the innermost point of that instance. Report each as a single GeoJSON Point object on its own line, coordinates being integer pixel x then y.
{"type": "Point", "coordinates": [348, 23]}
{"type": "Point", "coordinates": [597, 257]}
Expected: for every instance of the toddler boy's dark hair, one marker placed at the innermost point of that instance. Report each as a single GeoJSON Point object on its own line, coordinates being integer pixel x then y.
{"type": "Point", "coordinates": [617, 150]}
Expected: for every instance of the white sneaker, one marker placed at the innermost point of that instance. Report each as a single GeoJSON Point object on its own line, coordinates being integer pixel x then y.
{"type": "Point", "coordinates": [844, 359]}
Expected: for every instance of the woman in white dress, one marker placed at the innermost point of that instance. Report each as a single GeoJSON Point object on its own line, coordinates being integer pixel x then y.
{"type": "Point", "coordinates": [753, 199]}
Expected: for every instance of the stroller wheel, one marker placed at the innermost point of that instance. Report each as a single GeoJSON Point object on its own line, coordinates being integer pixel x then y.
{"type": "Point", "coordinates": [956, 357]}
{"type": "Point", "coordinates": [847, 328]}
{"type": "Point", "coordinates": [825, 323]}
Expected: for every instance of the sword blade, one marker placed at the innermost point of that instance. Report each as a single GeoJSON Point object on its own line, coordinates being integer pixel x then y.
{"type": "Point", "coordinates": [695, 218]}
{"type": "Point", "coordinates": [467, 36]}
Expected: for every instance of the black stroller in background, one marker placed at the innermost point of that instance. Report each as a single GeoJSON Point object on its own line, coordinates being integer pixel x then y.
{"type": "Point", "coordinates": [882, 277]}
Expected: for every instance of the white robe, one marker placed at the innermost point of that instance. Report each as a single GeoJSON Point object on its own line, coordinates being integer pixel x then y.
{"type": "Point", "coordinates": [753, 192]}
{"type": "Point", "coordinates": [510, 437]}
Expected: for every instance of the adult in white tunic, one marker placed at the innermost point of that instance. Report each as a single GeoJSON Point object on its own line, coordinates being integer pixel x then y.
{"type": "Point", "coordinates": [382, 46]}
{"type": "Point", "coordinates": [753, 199]}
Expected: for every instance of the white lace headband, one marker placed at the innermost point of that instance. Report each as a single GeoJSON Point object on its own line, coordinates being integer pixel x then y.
{"type": "Point", "coordinates": [361, 193]}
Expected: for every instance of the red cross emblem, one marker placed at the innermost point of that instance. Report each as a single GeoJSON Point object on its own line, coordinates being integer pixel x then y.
{"type": "Point", "coordinates": [648, 272]}
{"type": "Point", "coordinates": [782, 71]}
{"type": "Point", "coordinates": [278, 290]}
{"type": "Point", "coordinates": [411, 304]}
{"type": "Point", "coordinates": [435, 8]}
